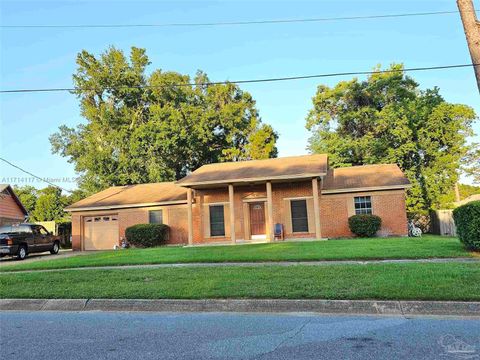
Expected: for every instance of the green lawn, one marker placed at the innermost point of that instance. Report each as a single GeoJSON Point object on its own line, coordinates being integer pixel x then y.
{"type": "Point", "coordinates": [421, 281]}
{"type": "Point", "coordinates": [362, 249]}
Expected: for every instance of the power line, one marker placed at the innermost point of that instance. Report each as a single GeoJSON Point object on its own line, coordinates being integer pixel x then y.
{"type": "Point", "coordinates": [35, 176]}
{"type": "Point", "coordinates": [288, 78]}
{"type": "Point", "coordinates": [227, 23]}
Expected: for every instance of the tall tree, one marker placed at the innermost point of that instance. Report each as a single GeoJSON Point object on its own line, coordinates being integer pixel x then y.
{"type": "Point", "coordinates": [471, 163]}
{"type": "Point", "coordinates": [387, 119]}
{"type": "Point", "coordinates": [28, 196]}
{"type": "Point", "coordinates": [146, 128]}
{"type": "Point", "coordinates": [49, 205]}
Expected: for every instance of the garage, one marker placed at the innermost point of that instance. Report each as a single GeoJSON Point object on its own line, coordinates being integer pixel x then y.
{"type": "Point", "coordinates": [100, 232]}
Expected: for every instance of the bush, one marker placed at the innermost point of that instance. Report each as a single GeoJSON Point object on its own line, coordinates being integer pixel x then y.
{"type": "Point", "coordinates": [147, 235]}
{"type": "Point", "coordinates": [364, 225]}
{"type": "Point", "coordinates": [467, 221]}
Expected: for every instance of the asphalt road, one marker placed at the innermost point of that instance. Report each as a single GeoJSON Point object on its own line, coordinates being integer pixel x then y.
{"type": "Point", "coordinates": [100, 335]}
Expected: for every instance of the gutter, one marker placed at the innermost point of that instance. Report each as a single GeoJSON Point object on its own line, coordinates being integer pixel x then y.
{"type": "Point", "coordinates": [250, 180]}
{"type": "Point", "coordinates": [362, 189]}
{"type": "Point", "coordinates": [125, 206]}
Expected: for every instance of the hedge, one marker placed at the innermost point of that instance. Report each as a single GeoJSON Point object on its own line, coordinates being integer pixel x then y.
{"type": "Point", "coordinates": [147, 235]}
{"type": "Point", "coordinates": [467, 221]}
{"type": "Point", "coordinates": [365, 225]}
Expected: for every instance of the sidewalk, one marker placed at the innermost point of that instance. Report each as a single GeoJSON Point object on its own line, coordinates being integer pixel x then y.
{"type": "Point", "coordinates": [360, 307]}
{"type": "Point", "coordinates": [257, 264]}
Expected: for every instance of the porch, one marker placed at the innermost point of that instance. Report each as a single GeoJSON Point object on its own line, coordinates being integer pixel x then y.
{"type": "Point", "coordinates": [239, 212]}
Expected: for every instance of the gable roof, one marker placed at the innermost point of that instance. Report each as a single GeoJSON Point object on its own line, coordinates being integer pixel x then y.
{"type": "Point", "coordinates": [387, 176]}
{"type": "Point", "coordinates": [293, 167]}
{"type": "Point", "coordinates": [9, 189]}
{"type": "Point", "coordinates": [131, 196]}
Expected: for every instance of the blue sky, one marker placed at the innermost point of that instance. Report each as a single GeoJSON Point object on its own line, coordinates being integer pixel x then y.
{"type": "Point", "coordinates": [43, 58]}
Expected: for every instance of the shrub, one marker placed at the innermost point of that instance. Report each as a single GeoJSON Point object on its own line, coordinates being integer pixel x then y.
{"type": "Point", "coordinates": [467, 221]}
{"type": "Point", "coordinates": [147, 235]}
{"type": "Point", "coordinates": [364, 225]}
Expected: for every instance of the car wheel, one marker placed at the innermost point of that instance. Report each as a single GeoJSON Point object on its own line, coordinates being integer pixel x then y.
{"type": "Point", "coordinates": [22, 252]}
{"type": "Point", "coordinates": [56, 248]}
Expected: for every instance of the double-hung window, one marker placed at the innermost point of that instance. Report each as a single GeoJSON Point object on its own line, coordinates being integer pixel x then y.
{"type": "Point", "coordinates": [155, 217]}
{"type": "Point", "coordinates": [363, 205]}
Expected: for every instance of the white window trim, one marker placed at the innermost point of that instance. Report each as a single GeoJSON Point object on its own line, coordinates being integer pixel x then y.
{"type": "Point", "coordinates": [371, 204]}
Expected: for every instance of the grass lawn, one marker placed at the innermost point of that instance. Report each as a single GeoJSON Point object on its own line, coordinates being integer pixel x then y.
{"type": "Point", "coordinates": [421, 281]}
{"type": "Point", "coordinates": [429, 246]}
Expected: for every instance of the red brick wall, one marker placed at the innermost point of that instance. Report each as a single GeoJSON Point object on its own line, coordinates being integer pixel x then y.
{"type": "Point", "coordinates": [280, 191]}
{"type": "Point", "coordinates": [175, 216]}
{"type": "Point", "coordinates": [335, 210]}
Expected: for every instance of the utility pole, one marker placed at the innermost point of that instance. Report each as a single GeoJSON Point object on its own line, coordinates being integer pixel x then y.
{"type": "Point", "coordinates": [471, 27]}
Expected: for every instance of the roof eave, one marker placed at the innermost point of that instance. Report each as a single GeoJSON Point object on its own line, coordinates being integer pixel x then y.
{"type": "Point", "coordinates": [251, 180]}
{"type": "Point", "coordinates": [124, 206]}
{"type": "Point", "coordinates": [369, 188]}
{"type": "Point", "coordinates": [16, 199]}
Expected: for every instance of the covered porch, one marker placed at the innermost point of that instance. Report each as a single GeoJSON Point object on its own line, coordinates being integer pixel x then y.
{"type": "Point", "coordinates": [250, 210]}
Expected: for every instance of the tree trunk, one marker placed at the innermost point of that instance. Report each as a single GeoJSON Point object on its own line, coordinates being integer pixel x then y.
{"type": "Point", "coordinates": [457, 192]}
{"type": "Point", "coordinates": [471, 27]}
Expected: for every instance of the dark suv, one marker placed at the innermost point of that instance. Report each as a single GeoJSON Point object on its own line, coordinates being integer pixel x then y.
{"type": "Point", "coordinates": [21, 239]}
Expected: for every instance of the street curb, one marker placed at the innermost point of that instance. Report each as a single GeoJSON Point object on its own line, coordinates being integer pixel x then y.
{"type": "Point", "coordinates": [359, 307]}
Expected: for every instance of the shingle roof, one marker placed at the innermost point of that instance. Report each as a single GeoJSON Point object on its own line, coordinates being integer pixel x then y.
{"type": "Point", "coordinates": [258, 170]}
{"type": "Point", "coordinates": [130, 195]}
{"type": "Point", "coordinates": [366, 176]}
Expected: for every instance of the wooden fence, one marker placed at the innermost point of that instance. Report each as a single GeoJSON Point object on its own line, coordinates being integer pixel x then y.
{"type": "Point", "coordinates": [442, 223]}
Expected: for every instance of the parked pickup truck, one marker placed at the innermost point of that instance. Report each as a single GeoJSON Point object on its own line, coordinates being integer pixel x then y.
{"type": "Point", "coordinates": [21, 239]}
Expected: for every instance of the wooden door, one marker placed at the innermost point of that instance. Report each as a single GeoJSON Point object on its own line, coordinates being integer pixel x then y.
{"type": "Point", "coordinates": [257, 218]}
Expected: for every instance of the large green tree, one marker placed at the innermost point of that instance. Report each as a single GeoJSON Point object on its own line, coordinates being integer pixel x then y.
{"type": "Point", "coordinates": [28, 196]}
{"type": "Point", "coordinates": [388, 119]}
{"type": "Point", "coordinates": [50, 204]}
{"type": "Point", "coordinates": [47, 204]}
{"type": "Point", "coordinates": [145, 128]}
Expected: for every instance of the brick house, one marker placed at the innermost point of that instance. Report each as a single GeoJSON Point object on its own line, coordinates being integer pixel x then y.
{"type": "Point", "coordinates": [242, 201]}
{"type": "Point", "coordinates": [11, 208]}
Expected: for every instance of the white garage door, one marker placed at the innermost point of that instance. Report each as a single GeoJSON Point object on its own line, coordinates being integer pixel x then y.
{"type": "Point", "coordinates": [100, 232]}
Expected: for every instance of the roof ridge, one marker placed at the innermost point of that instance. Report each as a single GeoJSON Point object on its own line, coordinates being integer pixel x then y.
{"type": "Point", "coordinates": [258, 160]}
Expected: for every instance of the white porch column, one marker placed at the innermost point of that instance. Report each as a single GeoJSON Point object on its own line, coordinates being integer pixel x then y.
{"type": "Point", "coordinates": [190, 216]}
{"type": "Point", "coordinates": [231, 201]}
{"type": "Point", "coordinates": [271, 231]}
{"type": "Point", "coordinates": [316, 208]}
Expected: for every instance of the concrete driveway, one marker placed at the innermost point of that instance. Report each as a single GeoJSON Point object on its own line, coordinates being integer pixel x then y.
{"type": "Point", "coordinates": [64, 253]}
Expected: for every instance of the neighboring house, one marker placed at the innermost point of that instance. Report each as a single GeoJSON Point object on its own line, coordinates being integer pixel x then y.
{"type": "Point", "coordinates": [241, 201]}
{"type": "Point", "coordinates": [11, 208]}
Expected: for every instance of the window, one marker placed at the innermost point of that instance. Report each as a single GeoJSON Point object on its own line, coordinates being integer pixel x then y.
{"type": "Point", "coordinates": [299, 215]}
{"type": "Point", "coordinates": [217, 221]}
{"type": "Point", "coordinates": [43, 231]}
{"type": "Point", "coordinates": [363, 205]}
{"type": "Point", "coordinates": [155, 217]}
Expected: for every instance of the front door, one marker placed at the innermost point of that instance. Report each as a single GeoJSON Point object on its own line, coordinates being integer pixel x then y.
{"type": "Point", "coordinates": [257, 218]}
